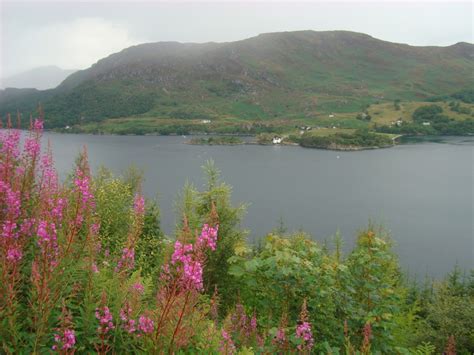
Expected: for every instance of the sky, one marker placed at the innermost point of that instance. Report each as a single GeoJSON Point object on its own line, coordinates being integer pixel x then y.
{"type": "Point", "coordinates": [74, 35]}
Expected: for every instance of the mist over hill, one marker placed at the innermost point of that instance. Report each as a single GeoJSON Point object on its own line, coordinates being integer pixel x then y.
{"type": "Point", "coordinates": [271, 76]}
{"type": "Point", "coordinates": [40, 78]}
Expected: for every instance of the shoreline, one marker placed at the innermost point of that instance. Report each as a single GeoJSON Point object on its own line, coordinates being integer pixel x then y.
{"type": "Point", "coordinates": [338, 148]}
{"type": "Point", "coordinates": [396, 140]}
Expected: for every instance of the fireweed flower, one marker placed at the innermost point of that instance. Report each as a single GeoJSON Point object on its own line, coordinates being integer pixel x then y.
{"type": "Point", "coordinates": [280, 337]}
{"type": "Point", "coordinates": [208, 237]}
{"type": "Point", "coordinates": [38, 125]}
{"type": "Point", "coordinates": [94, 268]}
{"type": "Point", "coordinates": [86, 198]}
{"type": "Point", "coordinates": [94, 230]}
{"type": "Point", "coordinates": [138, 288]}
{"type": "Point", "coordinates": [190, 269]}
{"type": "Point", "coordinates": [105, 320]}
{"type": "Point", "coordinates": [47, 240]}
{"type": "Point", "coordinates": [14, 255]}
{"type": "Point", "coordinates": [27, 226]}
{"type": "Point", "coordinates": [127, 260]}
{"type": "Point", "coordinates": [8, 230]}
{"type": "Point", "coordinates": [253, 323]}
{"type": "Point", "coordinates": [64, 340]}
{"type": "Point", "coordinates": [227, 346]}
{"type": "Point", "coordinates": [58, 207]}
{"type": "Point", "coordinates": [303, 330]}
{"type": "Point", "coordinates": [188, 263]}
{"type": "Point", "coordinates": [32, 147]}
{"type": "Point", "coordinates": [82, 183]}
{"type": "Point", "coordinates": [127, 323]}
{"type": "Point", "coordinates": [181, 253]}
{"type": "Point", "coordinates": [10, 144]}
{"type": "Point", "coordinates": [11, 200]}
{"type": "Point", "coordinates": [49, 178]}
{"type": "Point", "coordinates": [145, 325]}
{"type": "Point", "coordinates": [139, 205]}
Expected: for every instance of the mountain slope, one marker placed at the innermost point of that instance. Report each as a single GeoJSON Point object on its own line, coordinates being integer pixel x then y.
{"type": "Point", "coordinates": [41, 78]}
{"type": "Point", "coordinates": [270, 76]}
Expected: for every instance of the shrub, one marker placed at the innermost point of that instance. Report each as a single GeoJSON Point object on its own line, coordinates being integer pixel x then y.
{"type": "Point", "coordinates": [61, 289]}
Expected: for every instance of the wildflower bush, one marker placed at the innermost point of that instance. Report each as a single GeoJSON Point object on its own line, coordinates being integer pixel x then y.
{"type": "Point", "coordinates": [85, 268]}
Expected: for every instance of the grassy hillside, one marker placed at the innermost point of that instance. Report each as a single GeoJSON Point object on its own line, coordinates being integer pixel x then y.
{"type": "Point", "coordinates": [295, 76]}
{"type": "Point", "coordinates": [386, 113]}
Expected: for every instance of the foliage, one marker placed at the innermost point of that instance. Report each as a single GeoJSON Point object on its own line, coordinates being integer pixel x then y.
{"type": "Point", "coordinates": [114, 197]}
{"type": "Point", "coordinates": [61, 289]}
{"type": "Point", "coordinates": [197, 206]}
{"type": "Point", "coordinates": [230, 140]}
{"type": "Point", "coordinates": [427, 113]}
{"type": "Point", "coordinates": [429, 120]}
{"type": "Point", "coordinates": [466, 96]}
{"type": "Point", "coordinates": [448, 310]}
{"type": "Point", "coordinates": [360, 139]}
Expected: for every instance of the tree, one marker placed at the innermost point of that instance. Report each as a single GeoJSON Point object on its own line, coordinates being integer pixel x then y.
{"type": "Point", "coordinates": [427, 113]}
{"type": "Point", "coordinates": [197, 206]}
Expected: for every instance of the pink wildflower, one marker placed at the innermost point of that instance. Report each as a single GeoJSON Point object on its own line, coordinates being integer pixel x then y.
{"type": "Point", "coordinates": [145, 324]}
{"type": "Point", "coordinates": [65, 341]}
{"type": "Point", "coordinates": [11, 200]}
{"type": "Point", "coordinates": [227, 346]}
{"type": "Point", "coordinates": [139, 205]}
{"type": "Point", "coordinates": [38, 125]}
{"type": "Point", "coordinates": [128, 324]}
{"type": "Point", "coordinates": [253, 323]}
{"type": "Point", "coordinates": [181, 252]}
{"type": "Point", "coordinates": [47, 240]}
{"type": "Point", "coordinates": [10, 144]}
{"type": "Point", "coordinates": [32, 147]}
{"type": "Point", "coordinates": [57, 210]}
{"type": "Point", "coordinates": [14, 255]}
{"type": "Point", "coordinates": [127, 261]}
{"type": "Point", "coordinates": [303, 332]}
{"type": "Point", "coordinates": [105, 320]}
{"type": "Point", "coordinates": [208, 237]}
{"type": "Point", "coordinates": [280, 337]}
{"type": "Point", "coordinates": [190, 269]}
{"type": "Point", "coordinates": [94, 230]}
{"type": "Point", "coordinates": [8, 230]}
{"type": "Point", "coordinates": [27, 227]}
{"type": "Point", "coordinates": [49, 178]}
{"type": "Point", "coordinates": [138, 287]}
{"type": "Point", "coordinates": [94, 268]}
{"type": "Point", "coordinates": [83, 188]}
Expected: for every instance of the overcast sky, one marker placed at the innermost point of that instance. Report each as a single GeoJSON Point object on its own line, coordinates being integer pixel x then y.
{"type": "Point", "coordinates": [74, 35]}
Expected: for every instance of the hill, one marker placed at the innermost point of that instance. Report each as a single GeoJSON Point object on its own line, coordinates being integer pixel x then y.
{"type": "Point", "coordinates": [272, 77]}
{"type": "Point", "coordinates": [41, 78]}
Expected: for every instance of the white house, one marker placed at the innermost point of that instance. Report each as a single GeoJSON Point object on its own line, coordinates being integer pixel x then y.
{"type": "Point", "coordinates": [426, 123]}
{"type": "Point", "coordinates": [206, 121]}
{"type": "Point", "coordinates": [277, 140]}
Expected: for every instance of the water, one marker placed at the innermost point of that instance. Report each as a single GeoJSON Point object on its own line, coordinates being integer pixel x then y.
{"type": "Point", "coordinates": [422, 193]}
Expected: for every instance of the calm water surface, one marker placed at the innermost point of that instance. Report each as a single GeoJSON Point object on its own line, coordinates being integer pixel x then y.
{"type": "Point", "coordinates": [422, 193]}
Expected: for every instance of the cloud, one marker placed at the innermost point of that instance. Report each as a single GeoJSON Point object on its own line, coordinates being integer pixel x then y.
{"type": "Point", "coordinates": [71, 45]}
